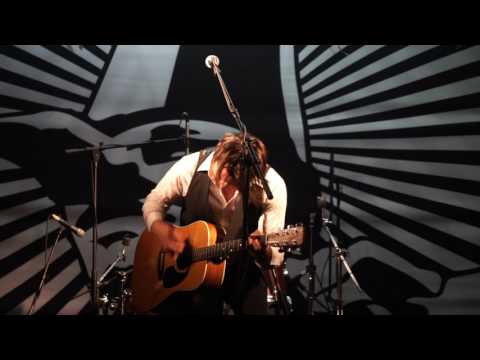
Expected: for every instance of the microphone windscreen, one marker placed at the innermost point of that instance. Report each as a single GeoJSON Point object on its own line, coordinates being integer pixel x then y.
{"type": "Point", "coordinates": [212, 60]}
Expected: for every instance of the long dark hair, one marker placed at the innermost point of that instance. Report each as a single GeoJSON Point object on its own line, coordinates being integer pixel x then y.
{"type": "Point", "coordinates": [230, 154]}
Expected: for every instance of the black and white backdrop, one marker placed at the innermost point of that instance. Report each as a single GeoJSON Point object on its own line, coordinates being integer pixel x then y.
{"type": "Point", "coordinates": [389, 134]}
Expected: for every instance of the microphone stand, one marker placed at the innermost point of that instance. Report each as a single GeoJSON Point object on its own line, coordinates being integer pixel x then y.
{"type": "Point", "coordinates": [311, 268]}
{"type": "Point", "coordinates": [251, 157]}
{"type": "Point", "coordinates": [250, 160]}
{"type": "Point", "coordinates": [95, 158]}
{"type": "Point", "coordinates": [187, 132]}
{"type": "Point", "coordinates": [330, 214]}
{"type": "Point", "coordinates": [95, 152]}
{"type": "Point", "coordinates": [340, 259]}
{"type": "Point", "coordinates": [44, 276]}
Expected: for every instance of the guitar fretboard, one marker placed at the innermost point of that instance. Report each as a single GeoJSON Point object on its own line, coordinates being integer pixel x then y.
{"type": "Point", "coordinates": [220, 250]}
{"type": "Point", "coordinates": [285, 238]}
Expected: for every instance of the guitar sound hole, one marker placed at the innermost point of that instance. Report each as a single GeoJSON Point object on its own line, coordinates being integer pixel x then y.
{"type": "Point", "coordinates": [184, 260]}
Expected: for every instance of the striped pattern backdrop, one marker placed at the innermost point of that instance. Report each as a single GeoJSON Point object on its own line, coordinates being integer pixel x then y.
{"type": "Point", "coordinates": [51, 77]}
{"type": "Point", "coordinates": [36, 78]}
{"type": "Point", "coordinates": [393, 132]}
{"type": "Point", "coordinates": [23, 213]}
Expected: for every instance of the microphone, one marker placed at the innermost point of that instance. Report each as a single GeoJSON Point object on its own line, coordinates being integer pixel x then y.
{"type": "Point", "coordinates": [323, 206]}
{"type": "Point", "coordinates": [213, 61]}
{"type": "Point", "coordinates": [321, 202]}
{"type": "Point", "coordinates": [79, 232]}
{"type": "Point", "coordinates": [187, 132]}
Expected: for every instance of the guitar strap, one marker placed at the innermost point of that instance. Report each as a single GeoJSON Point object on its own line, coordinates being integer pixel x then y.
{"type": "Point", "coordinates": [201, 158]}
{"type": "Point", "coordinates": [181, 202]}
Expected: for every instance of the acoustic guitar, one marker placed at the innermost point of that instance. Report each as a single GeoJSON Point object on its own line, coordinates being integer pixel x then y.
{"type": "Point", "coordinates": [157, 275]}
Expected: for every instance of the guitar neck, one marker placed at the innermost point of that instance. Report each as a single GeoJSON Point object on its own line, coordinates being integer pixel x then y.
{"type": "Point", "coordinates": [220, 250]}
{"type": "Point", "coordinates": [226, 248]}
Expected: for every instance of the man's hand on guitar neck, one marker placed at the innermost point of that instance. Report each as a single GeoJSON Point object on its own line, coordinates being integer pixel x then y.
{"type": "Point", "coordinates": [259, 250]}
{"type": "Point", "coordinates": [171, 241]}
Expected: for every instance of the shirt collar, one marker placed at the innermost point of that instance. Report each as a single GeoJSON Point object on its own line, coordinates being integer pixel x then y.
{"type": "Point", "coordinates": [205, 166]}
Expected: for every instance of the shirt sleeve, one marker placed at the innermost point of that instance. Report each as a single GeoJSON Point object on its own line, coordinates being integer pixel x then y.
{"type": "Point", "coordinates": [173, 186]}
{"type": "Point", "coordinates": [273, 217]}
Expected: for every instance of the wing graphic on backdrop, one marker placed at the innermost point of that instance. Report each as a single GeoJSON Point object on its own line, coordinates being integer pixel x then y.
{"type": "Point", "coordinates": [400, 125]}
{"type": "Point", "coordinates": [55, 98]}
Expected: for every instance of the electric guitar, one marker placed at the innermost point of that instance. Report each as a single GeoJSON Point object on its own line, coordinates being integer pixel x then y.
{"type": "Point", "coordinates": [157, 275]}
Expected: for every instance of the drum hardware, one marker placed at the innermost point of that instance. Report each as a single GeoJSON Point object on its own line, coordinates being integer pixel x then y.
{"type": "Point", "coordinates": [116, 304]}
{"type": "Point", "coordinates": [277, 297]}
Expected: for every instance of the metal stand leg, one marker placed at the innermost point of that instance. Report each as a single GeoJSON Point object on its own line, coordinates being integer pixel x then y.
{"type": "Point", "coordinates": [340, 260]}
{"type": "Point", "coordinates": [123, 289]}
{"type": "Point", "coordinates": [311, 268]}
{"type": "Point", "coordinates": [339, 276]}
{"type": "Point", "coordinates": [44, 276]}
{"type": "Point", "coordinates": [277, 296]}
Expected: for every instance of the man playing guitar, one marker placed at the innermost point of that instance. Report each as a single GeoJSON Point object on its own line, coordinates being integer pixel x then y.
{"type": "Point", "coordinates": [209, 187]}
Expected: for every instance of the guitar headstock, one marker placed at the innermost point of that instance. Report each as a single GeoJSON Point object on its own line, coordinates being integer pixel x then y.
{"type": "Point", "coordinates": [290, 237]}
